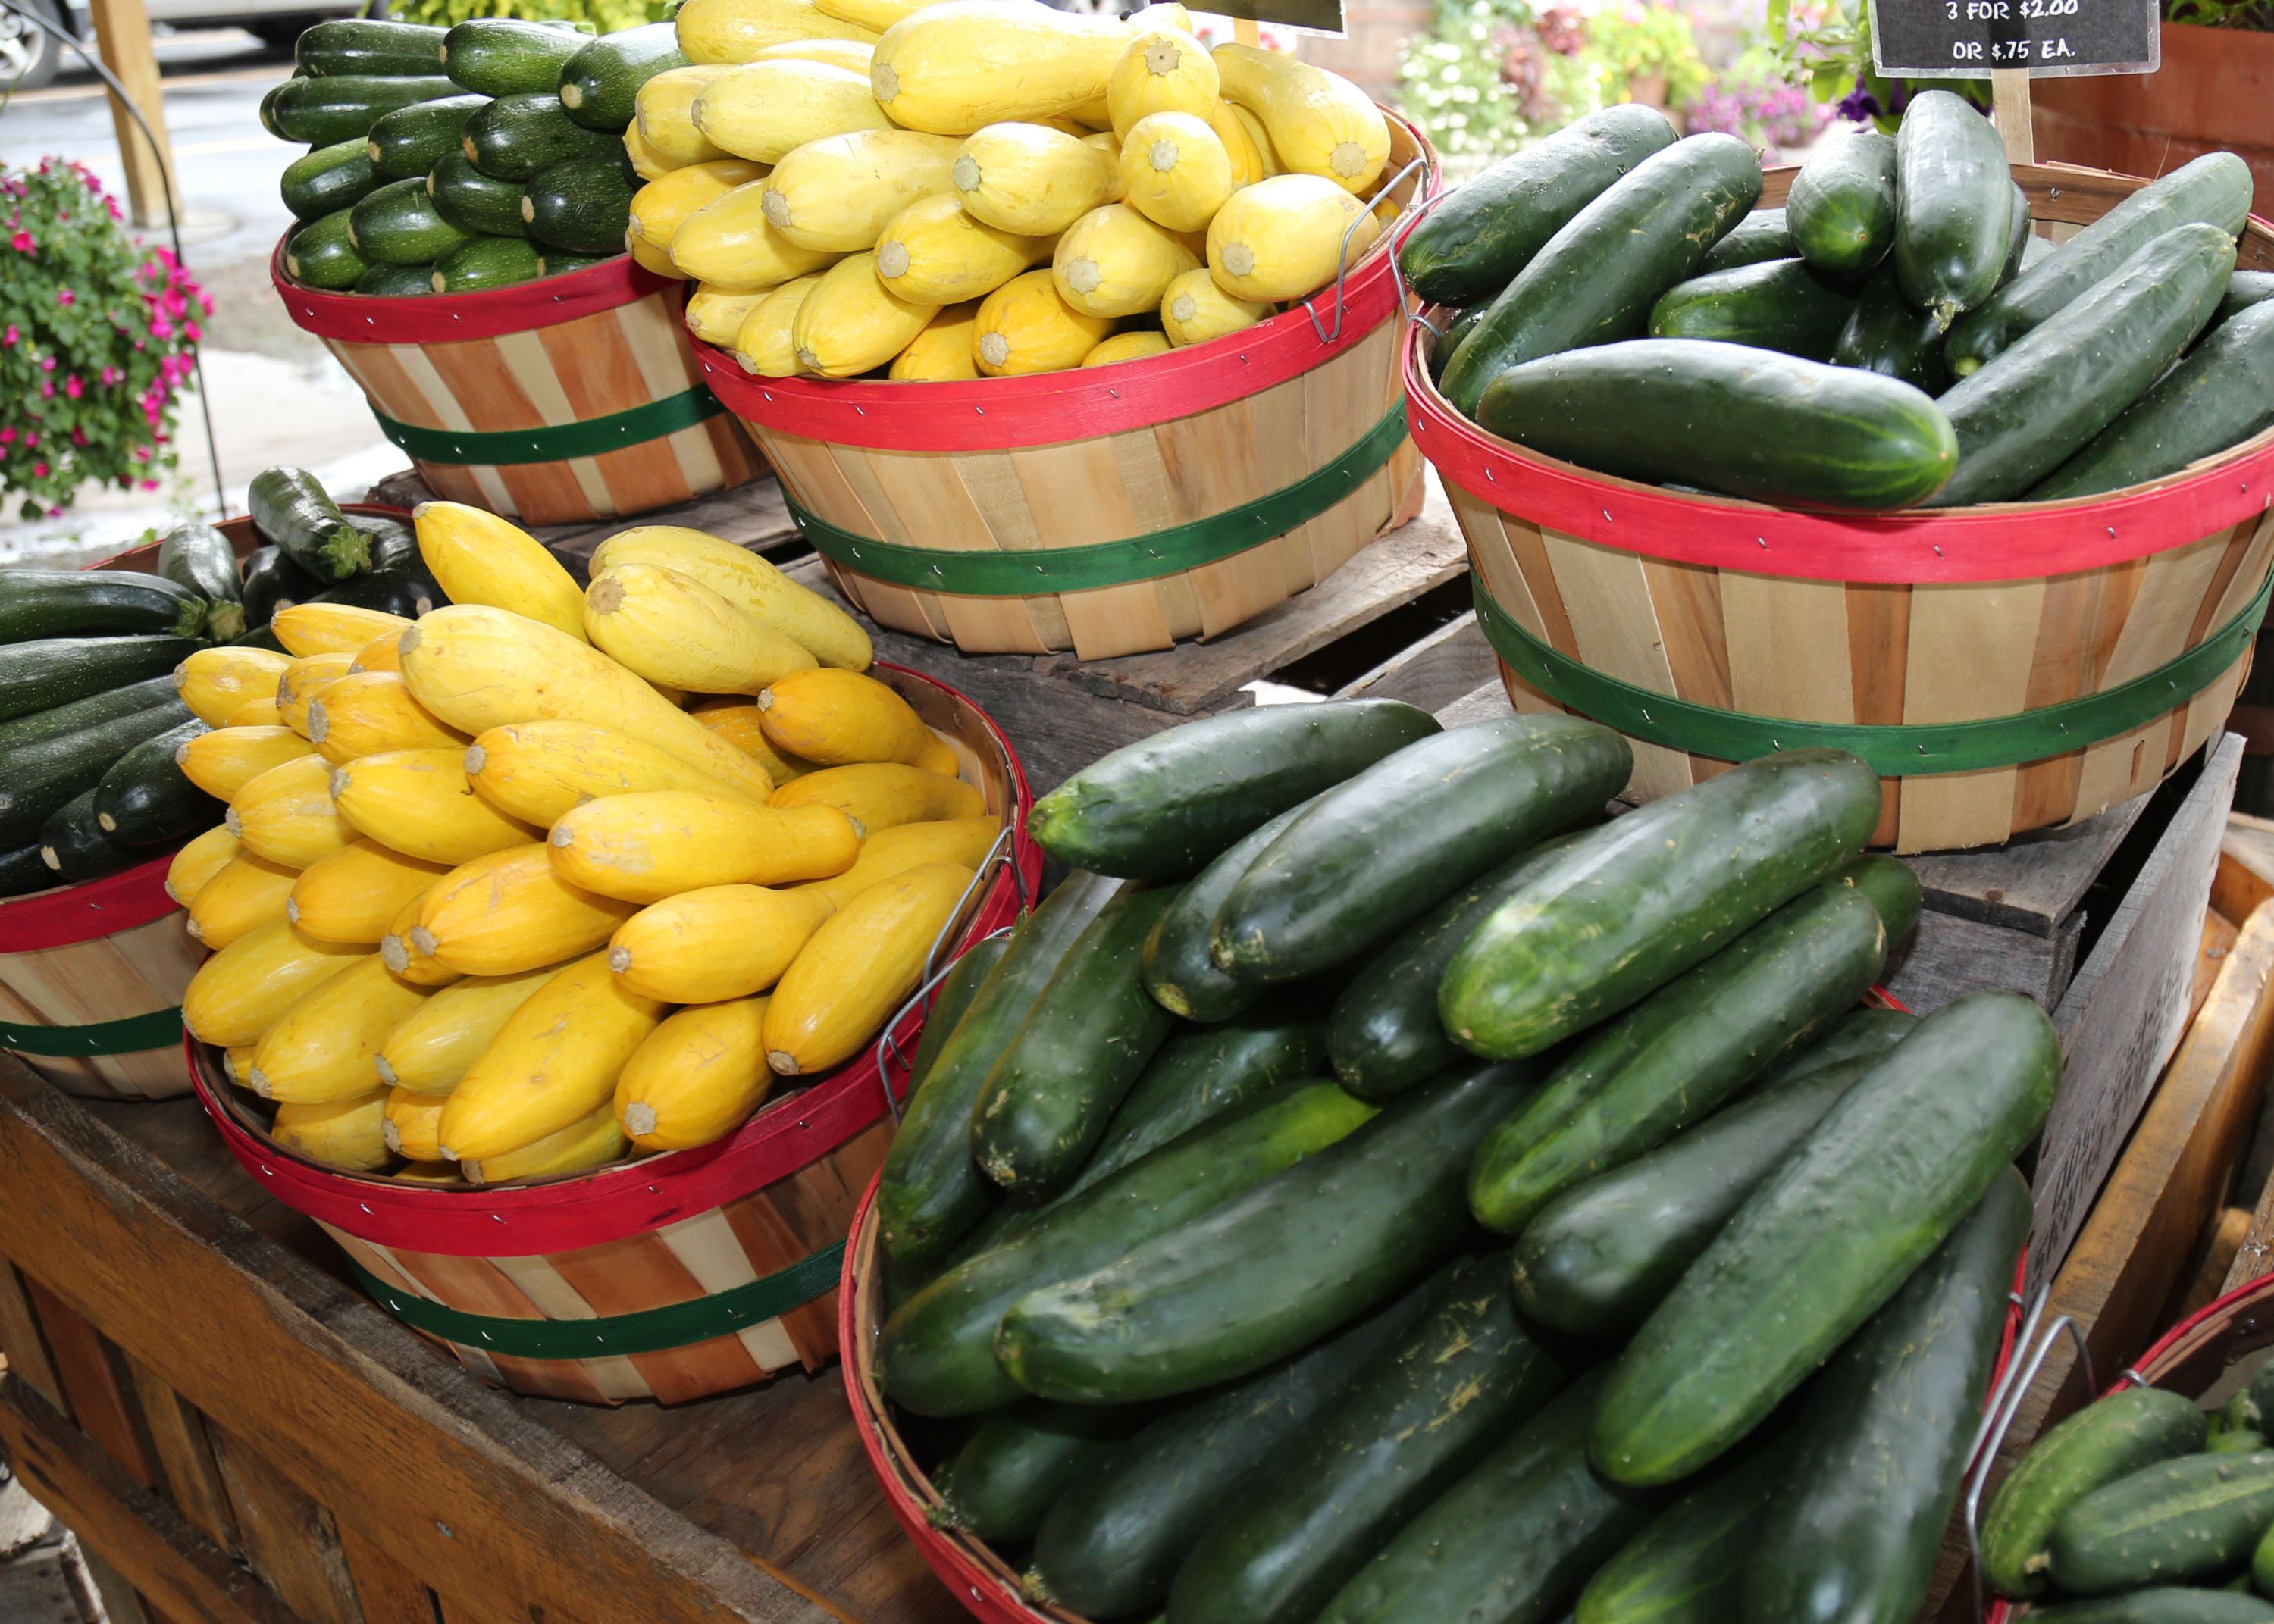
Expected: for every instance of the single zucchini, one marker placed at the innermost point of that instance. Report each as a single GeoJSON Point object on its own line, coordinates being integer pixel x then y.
{"type": "Point", "coordinates": [2242, 1442]}
{"type": "Point", "coordinates": [397, 225]}
{"type": "Point", "coordinates": [1765, 234]}
{"type": "Point", "coordinates": [292, 509]}
{"type": "Point", "coordinates": [486, 262]}
{"type": "Point", "coordinates": [1161, 808]}
{"type": "Point", "coordinates": [409, 593]}
{"type": "Point", "coordinates": [1841, 211]}
{"type": "Point", "coordinates": [1954, 214]}
{"type": "Point", "coordinates": [1885, 335]}
{"type": "Point", "coordinates": [2164, 1605]}
{"type": "Point", "coordinates": [472, 202]}
{"type": "Point", "coordinates": [357, 45]}
{"type": "Point", "coordinates": [324, 112]}
{"type": "Point", "coordinates": [41, 674]}
{"type": "Point", "coordinates": [322, 253]}
{"type": "Point", "coordinates": [23, 870]}
{"type": "Point", "coordinates": [330, 178]}
{"type": "Point", "coordinates": [410, 141]}
{"type": "Point", "coordinates": [397, 281]}
{"type": "Point", "coordinates": [274, 582]}
{"type": "Point", "coordinates": [106, 704]}
{"type": "Point", "coordinates": [2017, 245]}
{"type": "Point", "coordinates": [1014, 1467]}
{"type": "Point", "coordinates": [562, 261]}
{"type": "Point", "coordinates": [1459, 327]}
{"type": "Point", "coordinates": [57, 603]}
{"type": "Point", "coordinates": [145, 799]}
{"type": "Point", "coordinates": [46, 773]}
{"type": "Point", "coordinates": [2198, 1517]}
{"type": "Point", "coordinates": [1788, 306]}
{"type": "Point", "coordinates": [1831, 1235]}
{"type": "Point", "coordinates": [599, 85]}
{"type": "Point", "coordinates": [73, 846]}
{"type": "Point", "coordinates": [516, 135]}
{"type": "Point", "coordinates": [1179, 972]}
{"type": "Point", "coordinates": [507, 56]}
{"type": "Point", "coordinates": [2244, 289]}
{"type": "Point", "coordinates": [584, 204]}
{"type": "Point", "coordinates": [1688, 1566]}
{"type": "Point", "coordinates": [1629, 906]}
{"type": "Point", "coordinates": [197, 557]}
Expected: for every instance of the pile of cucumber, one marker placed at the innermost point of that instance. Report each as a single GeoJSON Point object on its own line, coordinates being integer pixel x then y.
{"type": "Point", "coordinates": [448, 159]}
{"type": "Point", "coordinates": [1375, 1188]}
{"type": "Point", "coordinates": [2142, 1509]}
{"type": "Point", "coordinates": [1894, 336]}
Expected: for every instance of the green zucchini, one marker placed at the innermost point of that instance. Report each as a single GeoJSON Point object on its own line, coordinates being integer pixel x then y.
{"type": "Point", "coordinates": [2017, 245]}
{"type": "Point", "coordinates": [268, 110]}
{"type": "Point", "coordinates": [1013, 1468]}
{"type": "Point", "coordinates": [330, 178]}
{"type": "Point", "coordinates": [1688, 1566]}
{"type": "Point", "coordinates": [1071, 1065]}
{"type": "Point", "coordinates": [2198, 1517]}
{"type": "Point", "coordinates": [584, 204]}
{"type": "Point", "coordinates": [362, 45]}
{"type": "Point", "coordinates": [1630, 906]}
{"type": "Point", "coordinates": [1272, 1270]}
{"type": "Point", "coordinates": [1644, 1076]}
{"type": "Point", "coordinates": [105, 704]}
{"type": "Point", "coordinates": [54, 670]}
{"type": "Point", "coordinates": [1458, 327]}
{"type": "Point", "coordinates": [1831, 1235]}
{"type": "Point", "coordinates": [1414, 1422]}
{"type": "Point", "coordinates": [1596, 280]}
{"type": "Point", "coordinates": [2214, 189]}
{"type": "Point", "coordinates": [74, 847]}
{"type": "Point", "coordinates": [397, 225]}
{"type": "Point", "coordinates": [261, 637]}
{"type": "Point", "coordinates": [397, 281]}
{"type": "Point", "coordinates": [145, 799]}
{"type": "Point", "coordinates": [562, 261]}
{"type": "Point", "coordinates": [937, 1356]}
{"type": "Point", "coordinates": [2219, 395]}
{"type": "Point", "coordinates": [323, 112]}
{"type": "Point", "coordinates": [411, 140]}
{"type": "Point", "coordinates": [1512, 1542]}
{"type": "Point", "coordinates": [2241, 1442]}
{"type": "Point", "coordinates": [1955, 211]}
{"type": "Point", "coordinates": [516, 136]}
{"type": "Point", "coordinates": [1885, 335]}
{"type": "Point", "coordinates": [2244, 289]}
{"type": "Point", "coordinates": [409, 593]}
{"type": "Point", "coordinates": [2240, 1414]}
{"type": "Point", "coordinates": [1382, 850]}
{"type": "Point", "coordinates": [486, 262]}
{"type": "Point", "coordinates": [56, 602]}
{"type": "Point", "coordinates": [2260, 1393]}
{"type": "Point", "coordinates": [2166, 1605]}
{"type": "Point", "coordinates": [1879, 1449]}
{"type": "Point", "coordinates": [292, 508]}
{"type": "Point", "coordinates": [599, 85]}
{"type": "Point", "coordinates": [197, 557]}
{"type": "Point", "coordinates": [322, 253]}
{"type": "Point", "coordinates": [1765, 234]}
{"type": "Point", "coordinates": [1788, 306]}
{"type": "Point", "coordinates": [929, 1194]}
{"type": "Point", "coordinates": [472, 201]}
{"type": "Point", "coordinates": [274, 582]}
{"type": "Point", "coordinates": [1179, 972]}
{"type": "Point", "coordinates": [1473, 243]}
{"type": "Point", "coordinates": [506, 56]}
{"type": "Point", "coordinates": [1842, 210]}
{"type": "Point", "coordinates": [43, 773]}
{"type": "Point", "coordinates": [23, 871]}
{"type": "Point", "coordinates": [2047, 396]}
{"type": "Point", "coordinates": [1161, 808]}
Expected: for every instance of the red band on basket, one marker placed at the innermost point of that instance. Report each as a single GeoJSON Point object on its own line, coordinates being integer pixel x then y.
{"type": "Point", "coordinates": [441, 318]}
{"type": "Point", "coordinates": [87, 913]}
{"type": "Point", "coordinates": [2002, 541]}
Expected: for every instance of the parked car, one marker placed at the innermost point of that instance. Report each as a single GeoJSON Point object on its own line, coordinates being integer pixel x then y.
{"type": "Point", "coordinates": [30, 57]}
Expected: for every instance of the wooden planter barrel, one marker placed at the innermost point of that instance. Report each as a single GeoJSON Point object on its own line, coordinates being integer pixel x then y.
{"type": "Point", "coordinates": [2005, 667]}
{"type": "Point", "coordinates": [556, 402]}
{"type": "Point", "coordinates": [1107, 509]}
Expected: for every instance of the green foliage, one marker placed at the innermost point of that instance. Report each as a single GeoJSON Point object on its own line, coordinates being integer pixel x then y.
{"type": "Point", "coordinates": [602, 16]}
{"type": "Point", "coordinates": [2253, 14]}
{"type": "Point", "coordinates": [1453, 77]}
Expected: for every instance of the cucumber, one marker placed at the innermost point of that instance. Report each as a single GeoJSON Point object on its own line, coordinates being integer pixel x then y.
{"type": "Point", "coordinates": [274, 582]}
{"type": "Point", "coordinates": [1647, 1075]}
{"type": "Point", "coordinates": [23, 871]}
{"type": "Point", "coordinates": [145, 799]}
{"type": "Point", "coordinates": [1014, 1467]}
{"type": "Point", "coordinates": [584, 204]}
{"type": "Point", "coordinates": [2260, 1393]}
{"type": "Point", "coordinates": [411, 140]}
{"type": "Point", "coordinates": [54, 603]}
{"type": "Point", "coordinates": [1534, 1499]}
{"type": "Point", "coordinates": [1842, 210]}
{"type": "Point", "coordinates": [472, 201]}
{"type": "Point", "coordinates": [2167, 1604]}
{"type": "Point", "coordinates": [516, 136]}
{"type": "Point", "coordinates": [486, 262]}
{"type": "Point", "coordinates": [560, 261]}
{"type": "Point", "coordinates": [1688, 1566]}
{"type": "Point", "coordinates": [949, 1003]}
{"type": "Point", "coordinates": [506, 56]}
{"type": "Point", "coordinates": [2198, 1517]}
{"type": "Point", "coordinates": [73, 846]}
{"type": "Point", "coordinates": [1415, 1422]}
{"type": "Point", "coordinates": [1880, 1450]}
{"type": "Point", "coordinates": [1272, 1270]}
{"type": "Point", "coordinates": [359, 45]}
{"type": "Point", "coordinates": [1863, 1034]}
{"type": "Point", "coordinates": [599, 85]}
{"type": "Point", "coordinates": [2017, 245]}
{"type": "Point", "coordinates": [1113, 1542]}
{"type": "Point", "coordinates": [1179, 972]}
{"type": "Point", "coordinates": [1161, 808]}
{"type": "Point", "coordinates": [397, 225]}
{"type": "Point", "coordinates": [1765, 234]}
{"type": "Point", "coordinates": [929, 1194]}
{"type": "Point", "coordinates": [2123, 1434]}
{"type": "Point", "coordinates": [2214, 189]}
{"type": "Point", "coordinates": [1459, 327]}
{"type": "Point", "coordinates": [1788, 306]}
{"type": "Point", "coordinates": [1629, 906]}
{"type": "Point", "coordinates": [322, 253]}
{"type": "Point", "coordinates": [2243, 1442]}
{"type": "Point", "coordinates": [2048, 395]}
{"type": "Point", "coordinates": [1383, 849]}
{"type": "Point", "coordinates": [323, 112]}
{"type": "Point", "coordinates": [1885, 335]}
{"type": "Point", "coordinates": [397, 281]}
{"type": "Point", "coordinates": [1475, 241]}
{"type": "Point", "coordinates": [54, 671]}
{"type": "Point", "coordinates": [2244, 289]}
{"type": "Point", "coordinates": [1596, 279]}
{"type": "Point", "coordinates": [1831, 1235]}
{"type": "Point", "coordinates": [199, 557]}
{"type": "Point", "coordinates": [937, 1356]}
{"type": "Point", "coordinates": [43, 773]}
{"type": "Point", "coordinates": [1073, 1062]}
{"type": "Point", "coordinates": [330, 178]}
{"type": "Point", "coordinates": [2219, 395]}
{"type": "Point", "coordinates": [292, 508]}
{"type": "Point", "coordinates": [1955, 214]}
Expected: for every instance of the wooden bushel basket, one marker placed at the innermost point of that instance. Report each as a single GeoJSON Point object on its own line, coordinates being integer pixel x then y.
{"type": "Point", "coordinates": [556, 402]}
{"type": "Point", "coordinates": [2005, 667]}
{"type": "Point", "coordinates": [1107, 509]}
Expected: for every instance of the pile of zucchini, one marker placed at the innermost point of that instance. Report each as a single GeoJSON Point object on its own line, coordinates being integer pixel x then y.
{"type": "Point", "coordinates": [1374, 1188]}
{"type": "Point", "coordinates": [447, 160]}
{"type": "Point", "coordinates": [1894, 336]}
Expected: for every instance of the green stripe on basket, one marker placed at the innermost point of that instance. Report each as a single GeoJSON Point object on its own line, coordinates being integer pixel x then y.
{"type": "Point", "coordinates": [653, 1330]}
{"type": "Point", "coordinates": [159, 1029]}
{"type": "Point", "coordinates": [557, 442]}
{"type": "Point", "coordinates": [1114, 563]}
{"type": "Point", "coordinates": [1903, 751]}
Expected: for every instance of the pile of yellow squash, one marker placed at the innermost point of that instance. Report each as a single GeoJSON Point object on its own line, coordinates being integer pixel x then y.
{"type": "Point", "coordinates": [555, 873]}
{"type": "Point", "coordinates": [994, 188]}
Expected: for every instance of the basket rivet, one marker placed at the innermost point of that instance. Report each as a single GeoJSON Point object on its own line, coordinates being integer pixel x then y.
{"type": "Point", "coordinates": [981, 410]}
{"type": "Point", "coordinates": [1922, 749]}
{"type": "Point", "coordinates": [267, 1171]}
{"type": "Point", "coordinates": [1764, 542]}
{"type": "Point", "coordinates": [2053, 191]}
{"type": "Point", "coordinates": [1116, 394]}
{"type": "Point", "coordinates": [363, 1209]}
{"type": "Point", "coordinates": [860, 411]}
{"type": "Point", "coordinates": [1488, 475]}
{"type": "Point", "coordinates": [1776, 744]}
{"type": "Point", "coordinates": [769, 399]}
{"type": "Point", "coordinates": [1606, 515]}
{"type": "Point", "coordinates": [1937, 551]}
{"type": "Point", "coordinates": [2112, 532]}
{"type": "Point", "coordinates": [497, 1217]}
{"type": "Point", "coordinates": [1243, 360]}
{"type": "Point", "coordinates": [445, 1528]}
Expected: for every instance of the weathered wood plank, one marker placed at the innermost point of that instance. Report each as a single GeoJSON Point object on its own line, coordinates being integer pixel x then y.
{"type": "Point", "coordinates": [2033, 883]}
{"type": "Point", "coordinates": [1480, 704]}
{"type": "Point", "coordinates": [22, 1343]}
{"type": "Point", "coordinates": [1447, 664]}
{"type": "Point", "coordinates": [185, 1463]}
{"type": "Point", "coordinates": [1948, 956]}
{"type": "Point", "coordinates": [288, 1539]}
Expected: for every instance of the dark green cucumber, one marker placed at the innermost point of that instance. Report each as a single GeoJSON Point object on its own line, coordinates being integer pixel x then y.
{"type": "Point", "coordinates": [937, 1356]}
{"type": "Point", "coordinates": [516, 136]}
{"type": "Point", "coordinates": [323, 254]}
{"type": "Point", "coordinates": [1688, 1566]}
{"type": "Point", "coordinates": [584, 204]}
{"type": "Point", "coordinates": [1379, 851]}
{"type": "Point", "coordinates": [23, 871]}
{"type": "Point", "coordinates": [1630, 906]}
{"type": "Point", "coordinates": [397, 281]}
{"type": "Point", "coordinates": [1880, 1450]}
{"type": "Point", "coordinates": [949, 1004]}
{"type": "Point", "coordinates": [473, 202]}
{"type": "Point", "coordinates": [362, 45]}
{"type": "Point", "coordinates": [1112, 1545]}
{"type": "Point", "coordinates": [1842, 210]}
{"type": "Point", "coordinates": [1514, 1541]}
{"type": "Point", "coordinates": [1831, 1235]}
{"type": "Point", "coordinates": [43, 773]}
{"type": "Point", "coordinates": [145, 799]}
{"type": "Point", "coordinates": [1013, 1468]}
{"type": "Point", "coordinates": [1465, 1372]}
{"type": "Point", "coordinates": [2219, 395]}
{"type": "Point", "coordinates": [504, 55]}
{"type": "Point", "coordinates": [397, 225]}
{"type": "Point", "coordinates": [411, 140]}
{"type": "Point", "coordinates": [1272, 1270]}
{"type": "Point", "coordinates": [1765, 234]}
{"type": "Point", "coordinates": [2048, 395]}
{"type": "Point", "coordinates": [1788, 306]}
{"type": "Point", "coordinates": [292, 508]}
{"type": "Point", "coordinates": [2214, 189]}
{"type": "Point", "coordinates": [487, 262]}
{"type": "Point", "coordinates": [2240, 1414]}
{"type": "Point", "coordinates": [562, 261]}
{"type": "Point", "coordinates": [1161, 808]}
{"type": "Point", "coordinates": [323, 112]}
{"type": "Point", "coordinates": [56, 603]}
{"type": "Point", "coordinates": [2198, 1517]}
{"type": "Point", "coordinates": [929, 1194]}
{"type": "Point", "coordinates": [599, 85]}
{"type": "Point", "coordinates": [1476, 240]}
{"type": "Point", "coordinates": [2244, 289]}
{"type": "Point", "coordinates": [1885, 335]}
{"type": "Point", "coordinates": [1179, 972]}
{"type": "Point", "coordinates": [1458, 327]}
{"type": "Point", "coordinates": [2260, 1393]}
{"type": "Point", "coordinates": [1954, 214]}
{"type": "Point", "coordinates": [1864, 1035]}
{"type": "Point", "coordinates": [199, 557]}
{"type": "Point", "coordinates": [54, 670]}
{"type": "Point", "coordinates": [1073, 1062]}
{"type": "Point", "coordinates": [330, 178]}
{"type": "Point", "coordinates": [274, 582]}
{"type": "Point", "coordinates": [1596, 280]}
{"type": "Point", "coordinates": [73, 846]}
{"type": "Point", "coordinates": [1665, 1063]}
{"type": "Point", "coordinates": [2166, 1605]}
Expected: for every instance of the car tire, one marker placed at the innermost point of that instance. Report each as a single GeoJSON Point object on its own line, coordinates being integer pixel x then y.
{"type": "Point", "coordinates": [30, 57]}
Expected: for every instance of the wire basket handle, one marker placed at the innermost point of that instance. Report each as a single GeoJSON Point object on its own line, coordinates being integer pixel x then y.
{"type": "Point", "coordinates": [2033, 1345]}
{"type": "Point", "coordinates": [1343, 260]}
{"type": "Point", "coordinates": [1004, 853]}
{"type": "Point", "coordinates": [1409, 302]}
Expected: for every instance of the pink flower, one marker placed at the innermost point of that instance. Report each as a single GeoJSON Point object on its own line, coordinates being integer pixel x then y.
{"type": "Point", "coordinates": [73, 387]}
{"type": "Point", "coordinates": [47, 391]}
{"type": "Point", "coordinates": [30, 439]}
{"type": "Point", "coordinates": [78, 437]}
{"type": "Point", "coordinates": [39, 470]}
{"type": "Point", "coordinates": [160, 328]}
{"type": "Point", "coordinates": [111, 375]}
{"type": "Point", "coordinates": [142, 454]}
{"type": "Point", "coordinates": [7, 436]}
{"type": "Point", "coordinates": [192, 331]}
{"type": "Point", "coordinates": [11, 336]}
{"type": "Point", "coordinates": [64, 296]}
{"type": "Point", "coordinates": [47, 363]}
{"type": "Point", "coordinates": [150, 485]}
{"type": "Point", "coordinates": [22, 242]}
{"type": "Point", "coordinates": [55, 512]}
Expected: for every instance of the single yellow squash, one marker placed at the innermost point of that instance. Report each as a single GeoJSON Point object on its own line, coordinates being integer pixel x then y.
{"type": "Point", "coordinates": [539, 772]}
{"type": "Point", "coordinates": [946, 352]}
{"type": "Point", "coordinates": [859, 968]}
{"type": "Point", "coordinates": [326, 1046]}
{"type": "Point", "coordinates": [224, 761]}
{"type": "Point", "coordinates": [214, 682]}
{"type": "Point", "coordinates": [438, 1041]}
{"type": "Point", "coordinates": [370, 713]}
{"type": "Point", "coordinates": [287, 815]}
{"type": "Point", "coordinates": [766, 110]}
{"type": "Point", "coordinates": [696, 1077]}
{"type": "Point", "coordinates": [721, 942]}
{"type": "Point", "coordinates": [510, 912]}
{"type": "Point", "coordinates": [249, 892]}
{"type": "Point", "coordinates": [353, 895]}
{"type": "Point", "coordinates": [195, 865]}
{"type": "Point", "coordinates": [1194, 310]}
{"type": "Point", "coordinates": [645, 847]}
{"type": "Point", "coordinates": [242, 991]}
{"type": "Point", "coordinates": [671, 628]}
{"type": "Point", "coordinates": [750, 583]}
{"type": "Point", "coordinates": [348, 1134]}
{"type": "Point", "coordinates": [834, 195]}
{"type": "Point", "coordinates": [421, 803]}
{"type": "Point", "coordinates": [1031, 180]}
{"type": "Point", "coordinates": [878, 796]}
{"type": "Point", "coordinates": [1025, 327]}
{"type": "Point", "coordinates": [1174, 171]}
{"type": "Point", "coordinates": [594, 1142]}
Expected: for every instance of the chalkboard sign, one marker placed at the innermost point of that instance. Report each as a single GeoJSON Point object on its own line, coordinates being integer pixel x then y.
{"type": "Point", "coordinates": [1318, 16]}
{"type": "Point", "coordinates": [1969, 39]}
